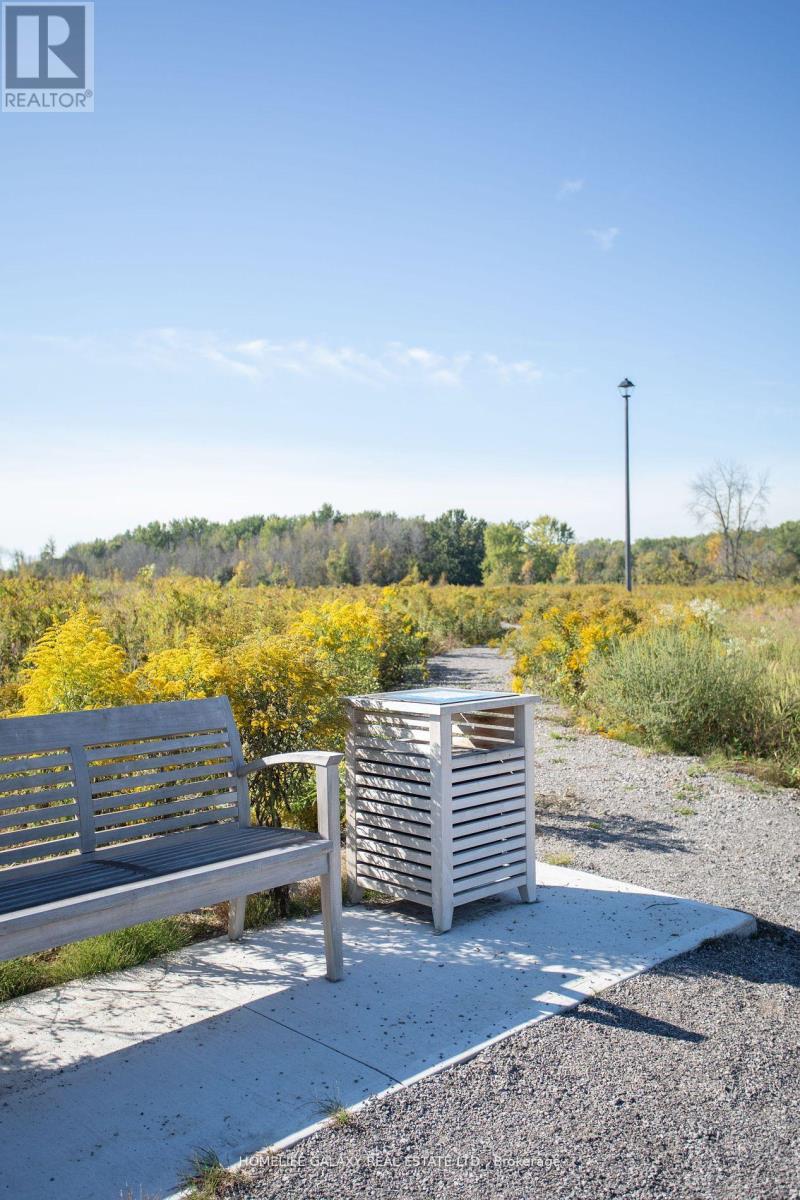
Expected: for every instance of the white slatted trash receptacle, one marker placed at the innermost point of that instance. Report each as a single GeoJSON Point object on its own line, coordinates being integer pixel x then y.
{"type": "Point", "coordinates": [440, 797]}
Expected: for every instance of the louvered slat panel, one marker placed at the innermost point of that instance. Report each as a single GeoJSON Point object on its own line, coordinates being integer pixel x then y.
{"type": "Point", "coordinates": [500, 777]}
{"type": "Point", "coordinates": [493, 831]}
{"type": "Point", "coordinates": [393, 851]}
{"type": "Point", "coordinates": [465, 804]}
{"type": "Point", "coordinates": [496, 843]}
{"type": "Point", "coordinates": [392, 758]}
{"type": "Point", "coordinates": [396, 811]}
{"type": "Point", "coordinates": [394, 824]}
{"type": "Point", "coordinates": [397, 878]}
{"type": "Point", "coordinates": [367, 860]}
{"type": "Point", "coordinates": [386, 783]}
{"type": "Point", "coordinates": [499, 877]}
{"type": "Point", "coordinates": [497, 864]}
{"type": "Point", "coordinates": [478, 758]}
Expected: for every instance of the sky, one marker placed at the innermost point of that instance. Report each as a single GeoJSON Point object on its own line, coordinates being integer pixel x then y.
{"type": "Point", "coordinates": [398, 256]}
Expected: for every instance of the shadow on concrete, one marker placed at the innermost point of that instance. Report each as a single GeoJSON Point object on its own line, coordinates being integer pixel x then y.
{"type": "Point", "coordinates": [234, 1046]}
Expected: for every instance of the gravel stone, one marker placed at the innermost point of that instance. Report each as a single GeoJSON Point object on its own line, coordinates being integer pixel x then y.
{"type": "Point", "coordinates": [680, 1084]}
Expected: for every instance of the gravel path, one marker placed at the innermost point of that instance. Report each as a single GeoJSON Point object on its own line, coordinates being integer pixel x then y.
{"type": "Point", "coordinates": [681, 1083]}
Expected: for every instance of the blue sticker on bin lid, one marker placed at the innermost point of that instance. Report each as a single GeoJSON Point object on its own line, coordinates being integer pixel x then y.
{"type": "Point", "coordinates": [442, 695]}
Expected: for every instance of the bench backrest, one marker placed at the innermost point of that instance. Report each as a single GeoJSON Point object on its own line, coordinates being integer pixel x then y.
{"type": "Point", "coordinates": [75, 782]}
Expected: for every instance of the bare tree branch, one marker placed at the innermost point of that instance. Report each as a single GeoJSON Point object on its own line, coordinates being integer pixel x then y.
{"type": "Point", "coordinates": [731, 501]}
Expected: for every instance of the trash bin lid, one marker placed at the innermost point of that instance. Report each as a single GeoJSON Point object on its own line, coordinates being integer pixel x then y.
{"type": "Point", "coordinates": [437, 697]}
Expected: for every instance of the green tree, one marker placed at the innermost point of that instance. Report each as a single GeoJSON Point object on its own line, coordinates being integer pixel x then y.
{"type": "Point", "coordinates": [505, 552]}
{"type": "Point", "coordinates": [455, 548]}
{"type": "Point", "coordinates": [546, 540]}
{"type": "Point", "coordinates": [787, 543]}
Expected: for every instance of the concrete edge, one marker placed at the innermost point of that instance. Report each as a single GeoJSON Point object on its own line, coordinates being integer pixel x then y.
{"type": "Point", "coordinates": [745, 927]}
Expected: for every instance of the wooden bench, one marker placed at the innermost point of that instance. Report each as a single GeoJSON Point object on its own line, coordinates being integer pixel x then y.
{"type": "Point", "coordinates": [121, 815]}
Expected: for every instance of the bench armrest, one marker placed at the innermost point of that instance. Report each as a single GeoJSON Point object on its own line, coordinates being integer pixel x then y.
{"type": "Point", "coordinates": [314, 758]}
{"type": "Point", "coordinates": [327, 771]}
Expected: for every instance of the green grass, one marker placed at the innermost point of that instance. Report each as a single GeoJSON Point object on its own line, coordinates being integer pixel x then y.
{"type": "Point", "coordinates": [564, 737]}
{"type": "Point", "coordinates": [95, 956]}
{"type": "Point", "coordinates": [140, 943]}
{"type": "Point", "coordinates": [336, 1111]}
{"type": "Point", "coordinates": [689, 791]}
{"type": "Point", "coordinates": [205, 1177]}
{"type": "Point", "coordinates": [560, 860]}
{"type": "Point", "coordinates": [697, 691]}
{"type": "Point", "coordinates": [685, 812]}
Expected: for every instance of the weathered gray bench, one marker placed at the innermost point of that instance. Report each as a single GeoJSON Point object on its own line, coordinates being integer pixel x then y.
{"type": "Point", "coordinates": [122, 815]}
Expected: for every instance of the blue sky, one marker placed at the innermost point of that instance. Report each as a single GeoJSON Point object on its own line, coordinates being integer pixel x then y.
{"type": "Point", "coordinates": [398, 256]}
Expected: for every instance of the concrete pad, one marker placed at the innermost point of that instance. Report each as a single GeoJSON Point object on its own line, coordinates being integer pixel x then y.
{"type": "Point", "coordinates": [111, 1083]}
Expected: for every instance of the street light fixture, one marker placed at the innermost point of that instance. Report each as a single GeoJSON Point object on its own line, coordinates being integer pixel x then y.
{"type": "Point", "coordinates": [626, 387]}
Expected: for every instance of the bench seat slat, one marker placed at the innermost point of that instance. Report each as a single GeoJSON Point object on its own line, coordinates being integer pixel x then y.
{"type": "Point", "coordinates": [26, 888]}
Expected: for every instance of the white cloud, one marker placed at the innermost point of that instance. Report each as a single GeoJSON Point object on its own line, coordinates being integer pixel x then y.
{"type": "Point", "coordinates": [569, 187]}
{"type": "Point", "coordinates": [523, 371]}
{"type": "Point", "coordinates": [257, 359]}
{"type": "Point", "coordinates": [604, 238]}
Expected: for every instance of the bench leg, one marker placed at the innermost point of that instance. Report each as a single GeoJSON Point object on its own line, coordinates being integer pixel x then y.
{"type": "Point", "coordinates": [236, 917]}
{"type": "Point", "coordinates": [330, 885]}
{"type": "Point", "coordinates": [331, 895]}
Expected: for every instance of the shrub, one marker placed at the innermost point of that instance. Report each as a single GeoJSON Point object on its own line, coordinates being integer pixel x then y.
{"type": "Point", "coordinates": [368, 647]}
{"type": "Point", "coordinates": [74, 665]}
{"type": "Point", "coordinates": [555, 646]}
{"type": "Point", "coordinates": [690, 690]}
{"type": "Point", "coordinates": [678, 686]}
{"type": "Point", "coordinates": [285, 696]}
{"type": "Point", "coordinates": [186, 672]}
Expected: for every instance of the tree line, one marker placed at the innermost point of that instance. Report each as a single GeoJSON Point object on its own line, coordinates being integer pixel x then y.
{"type": "Point", "coordinates": [327, 547]}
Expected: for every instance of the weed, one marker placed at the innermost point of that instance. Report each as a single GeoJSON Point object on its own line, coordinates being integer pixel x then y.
{"type": "Point", "coordinates": [685, 812]}
{"type": "Point", "coordinates": [337, 1112]}
{"type": "Point", "coordinates": [206, 1176]}
{"type": "Point", "coordinates": [559, 859]}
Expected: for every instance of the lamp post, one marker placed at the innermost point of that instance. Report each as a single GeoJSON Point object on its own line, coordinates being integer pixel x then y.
{"type": "Point", "coordinates": [626, 387]}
